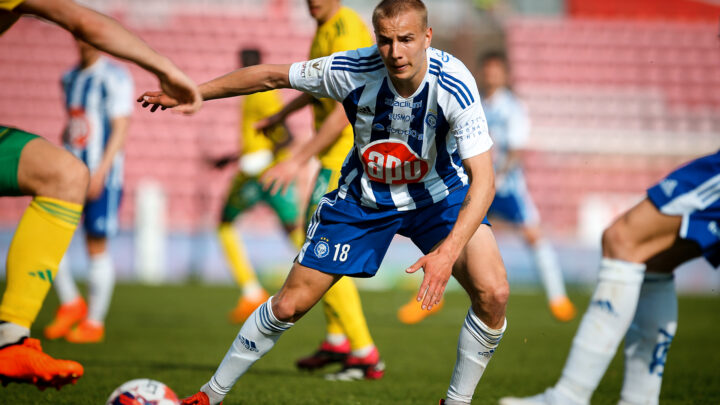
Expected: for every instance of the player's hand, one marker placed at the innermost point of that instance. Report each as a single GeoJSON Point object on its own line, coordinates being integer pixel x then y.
{"type": "Point", "coordinates": [182, 89]}
{"type": "Point", "coordinates": [279, 177]}
{"type": "Point", "coordinates": [157, 99]}
{"type": "Point", "coordinates": [437, 267]}
{"type": "Point", "coordinates": [96, 186]}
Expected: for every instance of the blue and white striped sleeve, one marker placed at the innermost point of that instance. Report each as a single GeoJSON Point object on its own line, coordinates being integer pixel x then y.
{"type": "Point", "coordinates": [466, 116]}
{"type": "Point", "coordinates": [335, 76]}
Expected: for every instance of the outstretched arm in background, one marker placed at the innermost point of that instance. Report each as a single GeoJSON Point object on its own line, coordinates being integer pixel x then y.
{"type": "Point", "coordinates": [108, 35]}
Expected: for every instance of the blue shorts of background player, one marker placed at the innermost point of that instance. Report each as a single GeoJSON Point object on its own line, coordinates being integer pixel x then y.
{"type": "Point", "coordinates": [101, 215]}
{"type": "Point", "coordinates": [512, 200]}
{"type": "Point", "coordinates": [693, 192]}
{"type": "Point", "coordinates": [347, 238]}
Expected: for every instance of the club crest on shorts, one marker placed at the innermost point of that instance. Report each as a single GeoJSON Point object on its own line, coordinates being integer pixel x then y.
{"type": "Point", "coordinates": [392, 161]}
{"type": "Point", "coordinates": [322, 248]}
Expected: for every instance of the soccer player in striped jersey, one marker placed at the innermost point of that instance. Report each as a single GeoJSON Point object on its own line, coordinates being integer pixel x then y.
{"type": "Point", "coordinates": [98, 101]}
{"type": "Point", "coordinates": [509, 127]}
{"type": "Point", "coordinates": [635, 295]}
{"type": "Point", "coordinates": [347, 339]}
{"type": "Point", "coordinates": [58, 182]}
{"type": "Point", "coordinates": [420, 166]}
{"type": "Point", "coordinates": [258, 152]}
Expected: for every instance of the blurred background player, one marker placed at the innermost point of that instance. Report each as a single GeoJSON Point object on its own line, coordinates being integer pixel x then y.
{"type": "Point", "coordinates": [257, 152]}
{"type": "Point", "coordinates": [348, 339]}
{"type": "Point", "coordinates": [58, 183]}
{"type": "Point", "coordinates": [635, 295]}
{"type": "Point", "coordinates": [99, 101]}
{"type": "Point", "coordinates": [509, 127]}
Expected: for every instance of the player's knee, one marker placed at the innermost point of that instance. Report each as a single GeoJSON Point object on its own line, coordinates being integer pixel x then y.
{"type": "Point", "coordinates": [616, 242]}
{"type": "Point", "coordinates": [492, 297]}
{"type": "Point", "coordinates": [73, 180]}
{"type": "Point", "coordinates": [285, 309]}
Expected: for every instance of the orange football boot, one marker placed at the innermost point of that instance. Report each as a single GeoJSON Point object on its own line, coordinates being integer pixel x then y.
{"type": "Point", "coordinates": [246, 306]}
{"type": "Point", "coordinates": [200, 398]}
{"type": "Point", "coordinates": [66, 317]}
{"type": "Point", "coordinates": [86, 332]}
{"type": "Point", "coordinates": [25, 362]}
{"type": "Point", "coordinates": [562, 309]}
{"type": "Point", "coordinates": [412, 312]}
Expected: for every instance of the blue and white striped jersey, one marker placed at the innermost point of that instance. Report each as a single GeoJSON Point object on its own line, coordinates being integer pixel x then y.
{"type": "Point", "coordinates": [509, 127]}
{"type": "Point", "coordinates": [94, 96]}
{"type": "Point", "coordinates": [407, 152]}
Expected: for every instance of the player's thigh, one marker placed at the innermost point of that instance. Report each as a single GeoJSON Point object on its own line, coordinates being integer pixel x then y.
{"type": "Point", "coordinates": [481, 272]}
{"type": "Point", "coordinates": [302, 289]}
{"type": "Point", "coordinates": [640, 233]}
{"type": "Point", "coordinates": [47, 170]}
{"type": "Point", "coordinates": [245, 191]}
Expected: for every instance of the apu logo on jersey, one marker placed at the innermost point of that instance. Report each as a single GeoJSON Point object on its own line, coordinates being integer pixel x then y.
{"type": "Point", "coordinates": [78, 129]}
{"type": "Point", "coordinates": [393, 162]}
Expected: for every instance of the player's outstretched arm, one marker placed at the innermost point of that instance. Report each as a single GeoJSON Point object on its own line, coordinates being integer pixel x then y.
{"type": "Point", "coordinates": [108, 35]}
{"type": "Point", "coordinates": [249, 80]}
{"type": "Point", "coordinates": [437, 265]}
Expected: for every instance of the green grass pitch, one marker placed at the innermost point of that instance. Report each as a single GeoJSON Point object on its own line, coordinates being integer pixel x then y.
{"type": "Point", "coordinates": [179, 334]}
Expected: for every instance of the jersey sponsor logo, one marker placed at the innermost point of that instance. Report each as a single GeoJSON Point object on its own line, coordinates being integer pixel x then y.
{"type": "Point", "coordinates": [393, 162]}
{"type": "Point", "coordinates": [312, 68]}
{"type": "Point", "coordinates": [406, 132]}
{"type": "Point", "coordinates": [77, 132]}
{"type": "Point", "coordinates": [322, 249]}
{"type": "Point", "coordinates": [406, 104]}
{"type": "Point", "coordinates": [400, 117]}
{"type": "Point", "coordinates": [668, 186]}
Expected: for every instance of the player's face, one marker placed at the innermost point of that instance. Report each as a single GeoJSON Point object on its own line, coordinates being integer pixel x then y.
{"type": "Point", "coordinates": [402, 42]}
{"type": "Point", "coordinates": [494, 74]}
{"type": "Point", "coordinates": [322, 10]}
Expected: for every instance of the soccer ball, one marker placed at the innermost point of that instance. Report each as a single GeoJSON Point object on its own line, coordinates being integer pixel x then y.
{"type": "Point", "coordinates": [143, 392]}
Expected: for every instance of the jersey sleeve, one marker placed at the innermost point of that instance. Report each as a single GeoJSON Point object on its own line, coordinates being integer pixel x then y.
{"type": "Point", "coordinates": [466, 116]}
{"type": "Point", "coordinates": [335, 76]}
{"type": "Point", "coordinates": [120, 94]}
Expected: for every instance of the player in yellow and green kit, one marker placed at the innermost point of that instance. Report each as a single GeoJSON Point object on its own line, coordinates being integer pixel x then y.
{"type": "Point", "coordinates": [258, 152]}
{"type": "Point", "coordinates": [348, 339]}
{"type": "Point", "coordinates": [57, 181]}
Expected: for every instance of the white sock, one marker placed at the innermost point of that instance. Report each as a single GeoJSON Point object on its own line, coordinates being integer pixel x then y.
{"type": "Point", "coordinates": [603, 326]}
{"type": "Point", "coordinates": [363, 351]}
{"type": "Point", "coordinates": [101, 280]}
{"type": "Point", "coordinates": [548, 267]}
{"type": "Point", "coordinates": [11, 333]}
{"type": "Point", "coordinates": [65, 286]}
{"type": "Point", "coordinates": [335, 339]}
{"type": "Point", "coordinates": [257, 336]}
{"type": "Point", "coordinates": [252, 290]}
{"type": "Point", "coordinates": [648, 340]}
{"type": "Point", "coordinates": [476, 345]}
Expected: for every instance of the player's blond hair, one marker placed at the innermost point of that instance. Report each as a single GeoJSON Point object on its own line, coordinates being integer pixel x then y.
{"type": "Point", "coordinates": [393, 8]}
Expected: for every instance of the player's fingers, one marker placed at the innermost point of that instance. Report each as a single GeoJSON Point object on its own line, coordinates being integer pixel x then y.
{"type": "Point", "coordinates": [427, 300]}
{"type": "Point", "coordinates": [416, 266]}
{"type": "Point", "coordinates": [154, 107]}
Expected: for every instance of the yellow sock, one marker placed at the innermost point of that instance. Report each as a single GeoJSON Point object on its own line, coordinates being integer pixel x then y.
{"type": "Point", "coordinates": [40, 241]}
{"type": "Point", "coordinates": [297, 237]}
{"type": "Point", "coordinates": [343, 301]}
{"type": "Point", "coordinates": [237, 258]}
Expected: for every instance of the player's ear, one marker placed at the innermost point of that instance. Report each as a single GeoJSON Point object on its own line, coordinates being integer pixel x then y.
{"type": "Point", "coordinates": [428, 37]}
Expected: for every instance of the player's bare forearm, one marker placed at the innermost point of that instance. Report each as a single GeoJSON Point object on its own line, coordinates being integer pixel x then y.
{"type": "Point", "coordinates": [327, 134]}
{"type": "Point", "coordinates": [116, 142]}
{"type": "Point", "coordinates": [249, 80]}
{"type": "Point", "coordinates": [98, 30]}
{"type": "Point", "coordinates": [477, 201]}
